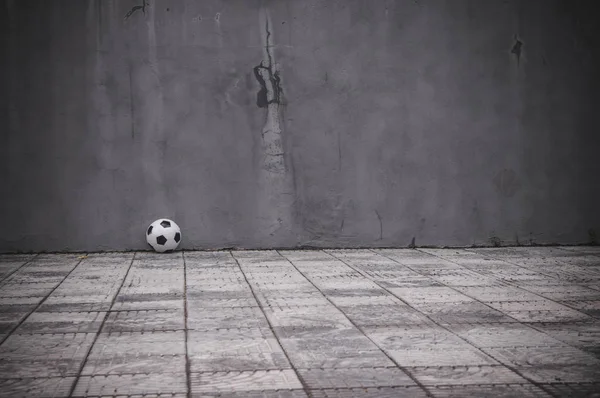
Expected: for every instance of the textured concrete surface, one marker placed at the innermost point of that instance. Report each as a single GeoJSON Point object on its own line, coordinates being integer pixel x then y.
{"type": "Point", "coordinates": [507, 322]}
{"type": "Point", "coordinates": [270, 124]}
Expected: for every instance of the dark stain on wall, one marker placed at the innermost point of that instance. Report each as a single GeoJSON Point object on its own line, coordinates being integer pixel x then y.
{"type": "Point", "coordinates": [136, 8]}
{"type": "Point", "coordinates": [517, 48]}
{"type": "Point", "coordinates": [593, 236]}
{"type": "Point", "coordinates": [380, 225]}
{"type": "Point", "coordinates": [262, 98]}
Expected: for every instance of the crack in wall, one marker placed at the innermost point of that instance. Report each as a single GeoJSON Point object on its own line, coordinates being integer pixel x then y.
{"type": "Point", "coordinates": [270, 97]}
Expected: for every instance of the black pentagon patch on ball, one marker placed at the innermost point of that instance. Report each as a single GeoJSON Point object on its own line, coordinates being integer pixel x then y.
{"type": "Point", "coordinates": [161, 240]}
{"type": "Point", "coordinates": [165, 224]}
{"type": "Point", "coordinates": [177, 237]}
{"type": "Point", "coordinates": [150, 230]}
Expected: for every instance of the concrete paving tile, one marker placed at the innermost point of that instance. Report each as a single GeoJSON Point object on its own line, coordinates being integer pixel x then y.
{"type": "Point", "coordinates": [156, 290]}
{"type": "Point", "coordinates": [465, 375]}
{"type": "Point", "coordinates": [344, 279]}
{"type": "Point", "coordinates": [259, 380]}
{"type": "Point", "coordinates": [214, 336]}
{"type": "Point", "coordinates": [538, 305]}
{"type": "Point", "coordinates": [308, 255]}
{"type": "Point", "coordinates": [515, 274]}
{"type": "Point", "coordinates": [353, 301]}
{"type": "Point", "coordinates": [225, 318]}
{"type": "Point", "coordinates": [19, 258]}
{"type": "Point", "coordinates": [270, 278]}
{"type": "Point", "coordinates": [11, 315]}
{"type": "Point", "coordinates": [571, 290]}
{"type": "Point", "coordinates": [218, 286]}
{"type": "Point", "coordinates": [45, 279]}
{"type": "Point", "coordinates": [135, 352]}
{"type": "Point", "coordinates": [439, 294]}
{"type": "Point", "coordinates": [566, 315]}
{"type": "Point", "coordinates": [243, 353]}
{"type": "Point", "coordinates": [370, 392]}
{"type": "Point", "coordinates": [581, 390]}
{"type": "Point", "coordinates": [536, 356]}
{"type": "Point", "coordinates": [148, 301]}
{"type": "Point", "coordinates": [26, 289]}
{"type": "Point", "coordinates": [457, 272]}
{"type": "Point", "coordinates": [58, 258]}
{"type": "Point", "coordinates": [51, 387]}
{"type": "Point", "coordinates": [564, 292]}
{"type": "Point", "coordinates": [332, 284]}
{"type": "Point", "coordinates": [343, 292]}
{"type": "Point", "coordinates": [470, 312]}
{"type": "Point", "coordinates": [45, 355]}
{"type": "Point", "coordinates": [194, 294]}
{"type": "Point", "coordinates": [589, 307]}
{"type": "Point", "coordinates": [57, 303]}
{"type": "Point", "coordinates": [498, 293]}
{"type": "Point", "coordinates": [417, 337]}
{"type": "Point", "coordinates": [292, 287]}
{"type": "Point", "coordinates": [353, 378]}
{"type": "Point", "coordinates": [412, 281]}
{"type": "Point", "coordinates": [143, 321]}
{"type": "Point", "coordinates": [130, 384]}
{"type": "Point", "coordinates": [582, 249]}
{"type": "Point", "coordinates": [212, 257]}
{"type": "Point", "coordinates": [62, 322]}
{"type": "Point", "coordinates": [490, 391]}
{"type": "Point", "coordinates": [20, 300]}
{"type": "Point", "coordinates": [471, 281]}
{"type": "Point", "coordinates": [307, 317]}
{"type": "Point", "coordinates": [595, 285]}
{"type": "Point", "coordinates": [254, 394]}
{"type": "Point", "coordinates": [561, 373]}
{"type": "Point", "coordinates": [79, 288]}
{"type": "Point", "coordinates": [267, 269]}
{"type": "Point", "coordinates": [441, 357]}
{"type": "Point", "coordinates": [222, 303]}
{"type": "Point", "coordinates": [581, 335]}
{"type": "Point", "coordinates": [214, 274]}
{"type": "Point", "coordinates": [259, 265]}
{"type": "Point", "coordinates": [385, 315]}
{"type": "Point", "coordinates": [322, 332]}
{"type": "Point", "coordinates": [432, 264]}
{"type": "Point", "coordinates": [314, 300]}
{"type": "Point", "coordinates": [503, 335]}
{"type": "Point", "coordinates": [348, 352]}
{"type": "Point", "coordinates": [391, 272]}
{"type": "Point", "coordinates": [404, 254]}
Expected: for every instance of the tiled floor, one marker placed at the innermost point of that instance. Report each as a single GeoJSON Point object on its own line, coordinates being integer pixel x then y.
{"type": "Point", "coordinates": [509, 322]}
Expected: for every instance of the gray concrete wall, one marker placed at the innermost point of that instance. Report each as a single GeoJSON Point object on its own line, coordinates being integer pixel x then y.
{"type": "Point", "coordinates": [290, 123]}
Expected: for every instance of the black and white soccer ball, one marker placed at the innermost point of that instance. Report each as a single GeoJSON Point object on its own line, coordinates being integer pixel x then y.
{"type": "Point", "coordinates": [163, 235]}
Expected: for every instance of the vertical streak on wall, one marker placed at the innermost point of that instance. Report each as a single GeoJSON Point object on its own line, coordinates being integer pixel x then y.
{"type": "Point", "coordinates": [276, 205]}
{"type": "Point", "coordinates": [13, 113]}
{"type": "Point", "coordinates": [154, 139]}
{"type": "Point", "coordinates": [517, 83]}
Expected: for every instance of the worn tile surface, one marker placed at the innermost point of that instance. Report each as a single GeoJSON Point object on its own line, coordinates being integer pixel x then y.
{"type": "Point", "coordinates": [497, 322]}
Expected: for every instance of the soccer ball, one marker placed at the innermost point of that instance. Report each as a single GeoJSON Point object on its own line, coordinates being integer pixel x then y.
{"type": "Point", "coordinates": [163, 235]}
